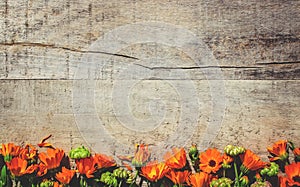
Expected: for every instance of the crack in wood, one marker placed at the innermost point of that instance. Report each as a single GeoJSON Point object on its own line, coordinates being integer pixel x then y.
{"type": "Point", "coordinates": [200, 67]}
{"type": "Point", "coordinates": [34, 44]}
{"type": "Point", "coordinates": [277, 63]}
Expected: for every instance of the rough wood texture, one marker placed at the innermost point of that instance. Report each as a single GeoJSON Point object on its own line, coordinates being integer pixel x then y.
{"type": "Point", "coordinates": [256, 44]}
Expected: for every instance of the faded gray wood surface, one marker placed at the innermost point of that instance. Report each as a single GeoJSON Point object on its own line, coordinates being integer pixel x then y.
{"type": "Point", "coordinates": [256, 43]}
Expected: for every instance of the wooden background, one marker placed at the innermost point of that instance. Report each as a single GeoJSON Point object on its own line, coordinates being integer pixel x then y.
{"type": "Point", "coordinates": [256, 43]}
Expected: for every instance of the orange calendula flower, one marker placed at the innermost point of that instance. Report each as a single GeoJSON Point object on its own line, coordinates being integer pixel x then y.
{"type": "Point", "coordinates": [293, 174]}
{"type": "Point", "coordinates": [104, 161]}
{"type": "Point", "coordinates": [201, 179]}
{"type": "Point", "coordinates": [18, 167]}
{"type": "Point", "coordinates": [9, 150]}
{"type": "Point", "coordinates": [154, 171]}
{"type": "Point", "coordinates": [86, 166]}
{"type": "Point", "coordinates": [251, 161]}
{"type": "Point", "coordinates": [28, 153]}
{"type": "Point", "coordinates": [178, 177]}
{"type": "Point", "coordinates": [52, 158]}
{"type": "Point", "coordinates": [177, 159]}
{"type": "Point", "coordinates": [279, 151]}
{"type": "Point", "coordinates": [65, 176]}
{"type": "Point", "coordinates": [141, 155]}
{"type": "Point", "coordinates": [210, 161]}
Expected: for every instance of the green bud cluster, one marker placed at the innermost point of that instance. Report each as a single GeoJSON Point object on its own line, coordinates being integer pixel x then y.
{"type": "Point", "coordinates": [261, 184]}
{"type": "Point", "coordinates": [47, 184]}
{"type": "Point", "coordinates": [221, 182]}
{"type": "Point", "coordinates": [79, 153]}
{"type": "Point", "coordinates": [121, 173]}
{"type": "Point", "coordinates": [272, 170]}
{"type": "Point", "coordinates": [109, 179]}
{"type": "Point", "coordinates": [234, 150]}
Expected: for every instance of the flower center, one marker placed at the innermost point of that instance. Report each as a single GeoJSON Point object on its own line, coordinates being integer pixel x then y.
{"type": "Point", "coordinates": [212, 163]}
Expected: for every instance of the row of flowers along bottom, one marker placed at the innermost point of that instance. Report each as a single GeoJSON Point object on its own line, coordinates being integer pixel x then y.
{"type": "Point", "coordinates": [237, 166]}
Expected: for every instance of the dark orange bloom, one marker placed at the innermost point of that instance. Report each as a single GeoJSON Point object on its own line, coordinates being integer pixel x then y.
{"type": "Point", "coordinates": [201, 179]}
{"type": "Point", "coordinates": [18, 167]}
{"type": "Point", "coordinates": [177, 159]}
{"type": "Point", "coordinates": [52, 159]}
{"type": "Point", "coordinates": [279, 151]}
{"type": "Point", "coordinates": [141, 155]}
{"type": "Point", "coordinates": [86, 166]}
{"type": "Point", "coordinates": [210, 161]}
{"type": "Point", "coordinates": [293, 173]}
{"type": "Point", "coordinates": [28, 153]}
{"type": "Point", "coordinates": [251, 161]}
{"type": "Point", "coordinates": [154, 171]}
{"type": "Point", "coordinates": [104, 161]}
{"type": "Point", "coordinates": [9, 150]}
{"type": "Point", "coordinates": [65, 176]}
{"type": "Point", "coordinates": [178, 177]}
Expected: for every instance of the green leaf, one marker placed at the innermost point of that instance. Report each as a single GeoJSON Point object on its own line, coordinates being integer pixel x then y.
{"type": "Point", "coordinates": [3, 175]}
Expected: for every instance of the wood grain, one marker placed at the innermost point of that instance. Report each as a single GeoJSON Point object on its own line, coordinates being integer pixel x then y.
{"type": "Point", "coordinates": [256, 44]}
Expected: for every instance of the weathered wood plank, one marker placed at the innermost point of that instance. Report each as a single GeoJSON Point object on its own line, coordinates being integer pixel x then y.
{"type": "Point", "coordinates": [39, 43]}
{"type": "Point", "coordinates": [49, 62]}
{"type": "Point", "coordinates": [257, 112]}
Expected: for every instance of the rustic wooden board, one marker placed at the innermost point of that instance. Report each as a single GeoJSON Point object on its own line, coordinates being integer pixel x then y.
{"type": "Point", "coordinates": [256, 44]}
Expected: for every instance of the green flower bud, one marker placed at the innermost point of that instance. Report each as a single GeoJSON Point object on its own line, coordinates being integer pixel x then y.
{"type": "Point", "coordinates": [226, 182]}
{"type": "Point", "coordinates": [47, 184]}
{"type": "Point", "coordinates": [244, 181]}
{"type": "Point", "coordinates": [79, 153]}
{"type": "Point", "coordinates": [193, 152]}
{"type": "Point", "coordinates": [124, 174]}
{"type": "Point", "coordinates": [131, 178]}
{"type": "Point", "coordinates": [270, 171]}
{"type": "Point", "coordinates": [109, 179]}
{"type": "Point", "coordinates": [261, 184]}
{"type": "Point", "coordinates": [234, 150]}
{"type": "Point", "coordinates": [226, 166]}
{"type": "Point", "coordinates": [120, 173]}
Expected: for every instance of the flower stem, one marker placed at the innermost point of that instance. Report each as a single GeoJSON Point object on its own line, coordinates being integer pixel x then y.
{"type": "Point", "coordinates": [237, 178]}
